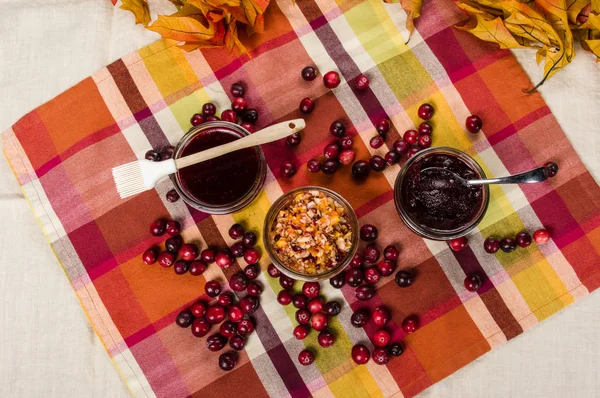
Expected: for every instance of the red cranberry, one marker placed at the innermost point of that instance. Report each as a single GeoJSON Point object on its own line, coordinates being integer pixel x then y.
{"type": "Point", "coordinates": [212, 288]}
{"type": "Point", "coordinates": [401, 147]}
{"type": "Point", "coordinates": [225, 299]}
{"type": "Point", "coordinates": [491, 245]}
{"type": "Point", "coordinates": [361, 169]}
{"type": "Point", "coordinates": [314, 166]}
{"type": "Point", "coordinates": [319, 321]}
{"type": "Point", "coordinates": [249, 239]}
{"type": "Point", "coordinates": [331, 79]}
{"type": "Point", "coordinates": [381, 338]}
{"type": "Point", "coordinates": [237, 249]}
{"type": "Point", "coordinates": [361, 82]}
{"type": "Point", "coordinates": [237, 90]}
{"type": "Point", "coordinates": [376, 142]}
{"type": "Point", "coordinates": [238, 282]}
{"type": "Point", "coordinates": [166, 259]}
{"type": "Point", "coordinates": [184, 319]}
{"type": "Point", "coordinates": [197, 119]}
{"type": "Point", "coordinates": [458, 244]}
{"type": "Point", "coordinates": [299, 300]}
{"type": "Point", "coordinates": [167, 152]}
{"type": "Point", "coordinates": [551, 169]}
{"type": "Point", "coordinates": [251, 255]}
{"type": "Point", "coordinates": [360, 354]}
{"type": "Point", "coordinates": [208, 255]}
{"type": "Point", "coordinates": [425, 129]}
{"type": "Point", "coordinates": [356, 261]}
{"type": "Point", "coordinates": [239, 105]}
{"type": "Point", "coordinates": [425, 111]}
{"type": "Point", "coordinates": [200, 327]}
{"type": "Point", "coordinates": [209, 109]}
{"type": "Point", "coordinates": [227, 361]}
{"type": "Point", "coordinates": [247, 126]}
{"type": "Point", "coordinates": [150, 255]}
{"type": "Point", "coordinates": [337, 129]}
{"type": "Point", "coordinates": [235, 313]}
{"type": "Point", "coordinates": [229, 116]}
{"type": "Point", "coordinates": [303, 316]}
{"type": "Point", "coordinates": [188, 252]}
{"type": "Point", "coordinates": [315, 305]}
{"type": "Point", "coordinates": [364, 293]}
{"type": "Point", "coordinates": [382, 126]}
{"type": "Point", "coordinates": [197, 267]}
{"type": "Point", "coordinates": [172, 196]}
{"type": "Point", "coordinates": [224, 259]}
{"type": "Point", "coordinates": [306, 357]}
{"type": "Point", "coordinates": [523, 239]}
{"type": "Point", "coordinates": [215, 314]}
{"type": "Point", "coordinates": [380, 356]}
{"type": "Point", "coordinates": [173, 228]}
{"type": "Point", "coordinates": [252, 271]}
{"type": "Point", "coordinates": [508, 245]}
{"type": "Point", "coordinates": [284, 297]}
{"type": "Point", "coordinates": [237, 343]}
{"type": "Point", "coordinates": [287, 169]}
{"type": "Point", "coordinates": [473, 282]}
{"type": "Point", "coordinates": [311, 289]}
{"type": "Point", "coordinates": [372, 275]}
{"type": "Point", "coordinates": [249, 304]}
{"type": "Point", "coordinates": [377, 163]}
{"type": "Point", "coordinates": [245, 327]}
{"type": "Point", "coordinates": [541, 236]}
{"type": "Point", "coordinates": [273, 271]}
{"type": "Point", "coordinates": [410, 324]}
{"type": "Point", "coordinates": [413, 151]}
{"type": "Point", "coordinates": [293, 140]}
{"type": "Point", "coordinates": [338, 281]}
{"type": "Point", "coordinates": [395, 349]}
{"type": "Point", "coordinates": [181, 267]}
{"type": "Point", "coordinates": [153, 156]}
{"type": "Point", "coordinates": [309, 73]}
{"type": "Point", "coordinates": [404, 278]}
{"type": "Point", "coordinates": [392, 158]}
{"type": "Point", "coordinates": [381, 315]}
{"type": "Point", "coordinates": [301, 331]}
{"type": "Point", "coordinates": [212, 118]}
{"type": "Point", "coordinates": [411, 136]}
{"type": "Point", "coordinates": [236, 231]}
{"type": "Point", "coordinates": [215, 342]}
{"type": "Point", "coordinates": [173, 244]}
{"type": "Point", "coordinates": [333, 308]}
{"type": "Point", "coordinates": [330, 166]}
{"type": "Point", "coordinates": [368, 233]}
{"type": "Point", "coordinates": [386, 267]}
{"type": "Point", "coordinates": [391, 253]}
{"type": "Point", "coordinates": [250, 115]}
{"type": "Point", "coordinates": [332, 151]}
{"type": "Point", "coordinates": [354, 277]}
{"type": "Point", "coordinates": [360, 318]}
{"type": "Point", "coordinates": [424, 141]}
{"type": "Point", "coordinates": [307, 105]}
{"type": "Point", "coordinates": [228, 329]}
{"type": "Point", "coordinates": [473, 124]}
{"type": "Point", "coordinates": [286, 282]}
{"type": "Point", "coordinates": [326, 339]}
{"type": "Point", "coordinates": [158, 227]}
{"type": "Point", "coordinates": [371, 253]}
{"type": "Point", "coordinates": [346, 142]}
{"type": "Point", "coordinates": [347, 157]}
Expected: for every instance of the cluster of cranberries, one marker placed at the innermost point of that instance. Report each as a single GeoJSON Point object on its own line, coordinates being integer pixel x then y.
{"type": "Point", "coordinates": [157, 156]}
{"type": "Point", "coordinates": [244, 247]}
{"type": "Point", "coordinates": [336, 152]}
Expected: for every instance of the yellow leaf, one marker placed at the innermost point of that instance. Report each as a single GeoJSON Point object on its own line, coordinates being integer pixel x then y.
{"type": "Point", "coordinates": [412, 9]}
{"type": "Point", "coordinates": [492, 30]}
{"type": "Point", "coordinates": [593, 46]}
{"type": "Point", "coordinates": [139, 8]}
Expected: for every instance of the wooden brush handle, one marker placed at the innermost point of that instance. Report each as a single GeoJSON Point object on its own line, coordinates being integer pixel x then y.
{"type": "Point", "coordinates": [269, 134]}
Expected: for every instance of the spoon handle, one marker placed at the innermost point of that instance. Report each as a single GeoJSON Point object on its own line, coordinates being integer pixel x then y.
{"type": "Point", "coordinates": [536, 175]}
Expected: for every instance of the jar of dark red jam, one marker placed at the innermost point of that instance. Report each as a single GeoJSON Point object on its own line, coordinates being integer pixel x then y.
{"type": "Point", "coordinates": [225, 184]}
{"type": "Point", "coordinates": [430, 203]}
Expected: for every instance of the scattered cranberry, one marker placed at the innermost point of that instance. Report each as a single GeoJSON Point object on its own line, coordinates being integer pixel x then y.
{"type": "Point", "coordinates": [332, 151]}
{"type": "Point", "coordinates": [209, 109]}
{"type": "Point", "coordinates": [229, 116]}
{"type": "Point", "coordinates": [228, 329]}
{"type": "Point", "coordinates": [307, 105]}
{"type": "Point", "coordinates": [250, 115]}
{"type": "Point", "coordinates": [424, 141]}
{"type": "Point", "coordinates": [197, 267]}
{"type": "Point", "coordinates": [173, 228]}
{"type": "Point", "coordinates": [238, 282]}
{"type": "Point", "coordinates": [287, 169]}
{"type": "Point", "coordinates": [508, 245]}
{"type": "Point", "coordinates": [249, 239]}
{"type": "Point", "coordinates": [215, 314]}
{"type": "Point", "coordinates": [333, 308]}
{"type": "Point", "coordinates": [227, 361]}
{"type": "Point", "coordinates": [251, 255]}
{"type": "Point", "coordinates": [338, 281]}
{"type": "Point", "coordinates": [172, 196]}
{"type": "Point", "coordinates": [239, 105]}
{"type": "Point", "coordinates": [356, 261]}
{"type": "Point", "coordinates": [188, 252]}
{"type": "Point", "coordinates": [247, 126]}
{"type": "Point", "coordinates": [337, 129]}
{"type": "Point", "coordinates": [237, 249]}
{"type": "Point", "coordinates": [245, 327]}
{"type": "Point", "coordinates": [382, 126]}
{"type": "Point", "coordinates": [330, 166]}
{"type": "Point", "coordinates": [284, 297]}
{"type": "Point", "coordinates": [331, 79]}
{"type": "Point", "coordinates": [410, 324]}
{"type": "Point", "coordinates": [309, 73]}
{"type": "Point", "coordinates": [326, 339]}
{"type": "Point", "coordinates": [314, 166]}
{"type": "Point", "coordinates": [361, 169]}
{"type": "Point", "coordinates": [153, 156]}
{"type": "Point", "coordinates": [311, 289]}
{"type": "Point", "coordinates": [252, 271]}
{"type": "Point", "coordinates": [392, 158]}
{"type": "Point", "coordinates": [386, 267]}
{"type": "Point", "coordinates": [181, 267]}
{"type": "Point", "coordinates": [411, 136]}
{"type": "Point", "coordinates": [391, 253]}
{"type": "Point", "coordinates": [293, 140]}
{"type": "Point", "coordinates": [225, 299]}
{"type": "Point", "coordinates": [237, 343]}
{"type": "Point", "coordinates": [347, 157]}
{"type": "Point", "coordinates": [381, 338]}
{"type": "Point", "coordinates": [286, 282]}
{"type": "Point", "coordinates": [299, 300]}
{"type": "Point", "coordinates": [458, 244]}
{"type": "Point", "coordinates": [319, 321]}
{"type": "Point", "coordinates": [167, 152]}
{"type": "Point", "coordinates": [372, 275]}
{"type": "Point", "coordinates": [425, 111]}
{"type": "Point", "coordinates": [196, 120]}
{"type": "Point", "coordinates": [413, 151]}
{"type": "Point", "coordinates": [360, 318]}
{"type": "Point", "coordinates": [473, 282]}
{"type": "Point", "coordinates": [301, 331]}
{"type": "Point", "coordinates": [381, 315]}
{"type": "Point", "coordinates": [425, 129]}
{"type": "Point", "coordinates": [158, 227]}
{"type": "Point", "coordinates": [404, 278]}
{"type": "Point", "coordinates": [315, 305]}
{"type": "Point", "coordinates": [346, 142]}
{"type": "Point", "coordinates": [200, 327]}
{"type": "Point", "coordinates": [395, 349]}
{"type": "Point", "coordinates": [273, 271]}
{"type": "Point", "coordinates": [491, 245]}
{"type": "Point", "coordinates": [473, 124]}
{"type": "Point", "coordinates": [380, 356]}
{"type": "Point", "coordinates": [377, 163]}
{"type": "Point", "coordinates": [173, 244]}
{"type": "Point", "coordinates": [249, 304]}
{"type": "Point", "coordinates": [364, 293]}
{"type": "Point", "coordinates": [166, 259]}
{"type": "Point", "coordinates": [303, 316]}
{"type": "Point", "coordinates": [224, 259]}
{"type": "Point", "coordinates": [235, 313]}
{"type": "Point", "coordinates": [212, 288]}
{"type": "Point", "coordinates": [401, 147]}
{"type": "Point", "coordinates": [150, 255]}
{"type": "Point", "coordinates": [376, 142]}
{"type": "Point", "coordinates": [215, 342]}
{"type": "Point", "coordinates": [354, 277]}
{"type": "Point", "coordinates": [361, 82]}
{"type": "Point", "coordinates": [237, 90]}
{"type": "Point", "coordinates": [551, 169]}
{"type": "Point", "coordinates": [306, 357]}
{"type": "Point", "coordinates": [523, 239]}
{"type": "Point", "coordinates": [368, 233]}
{"type": "Point", "coordinates": [236, 231]}
{"type": "Point", "coordinates": [371, 253]}
{"type": "Point", "coordinates": [212, 118]}
{"type": "Point", "coordinates": [184, 319]}
{"type": "Point", "coordinates": [360, 354]}
{"type": "Point", "coordinates": [541, 236]}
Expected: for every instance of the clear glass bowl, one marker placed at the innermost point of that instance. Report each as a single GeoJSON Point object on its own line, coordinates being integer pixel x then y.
{"type": "Point", "coordinates": [271, 216]}
{"type": "Point", "coordinates": [432, 233]}
{"type": "Point", "coordinates": [227, 208]}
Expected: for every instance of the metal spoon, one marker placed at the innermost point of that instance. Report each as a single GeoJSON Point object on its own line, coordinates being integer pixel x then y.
{"type": "Point", "coordinates": [536, 175]}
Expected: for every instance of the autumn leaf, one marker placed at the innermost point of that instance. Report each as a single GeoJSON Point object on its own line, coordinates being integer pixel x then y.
{"type": "Point", "coordinates": [592, 45]}
{"type": "Point", "coordinates": [492, 30]}
{"type": "Point", "coordinates": [139, 8]}
{"type": "Point", "coordinates": [412, 9]}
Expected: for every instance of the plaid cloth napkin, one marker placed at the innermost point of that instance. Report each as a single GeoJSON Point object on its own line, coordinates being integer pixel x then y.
{"type": "Point", "coordinates": [62, 154]}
